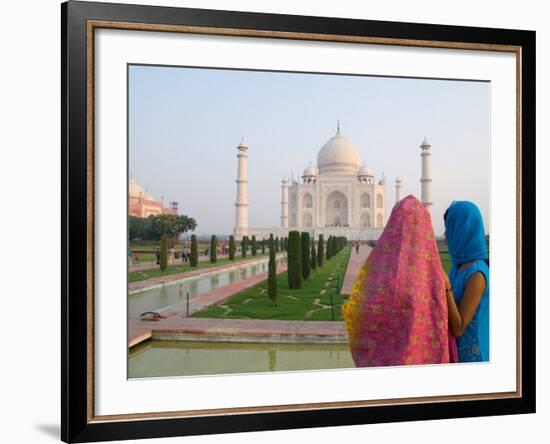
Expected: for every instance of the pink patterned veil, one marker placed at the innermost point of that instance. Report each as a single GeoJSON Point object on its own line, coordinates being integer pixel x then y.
{"type": "Point", "coordinates": [397, 310]}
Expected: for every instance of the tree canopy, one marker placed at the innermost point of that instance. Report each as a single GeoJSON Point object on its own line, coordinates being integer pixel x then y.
{"type": "Point", "coordinates": [153, 227]}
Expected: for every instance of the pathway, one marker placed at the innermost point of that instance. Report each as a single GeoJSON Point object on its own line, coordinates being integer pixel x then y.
{"type": "Point", "coordinates": [355, 263]}
{"type": "Point", "coordinates": [181, 328]}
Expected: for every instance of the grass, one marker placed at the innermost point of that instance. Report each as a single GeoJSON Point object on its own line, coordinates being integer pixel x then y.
{"type": "Point", "coordinates": [445, 259]}
{"type": "Point", "coordinates": [254, 302]}
{"type": "Point", "coordinates": [135, 276]}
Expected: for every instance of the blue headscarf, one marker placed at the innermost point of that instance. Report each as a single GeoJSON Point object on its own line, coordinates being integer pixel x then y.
{"type": "Point", "coordinates": [465, 233]}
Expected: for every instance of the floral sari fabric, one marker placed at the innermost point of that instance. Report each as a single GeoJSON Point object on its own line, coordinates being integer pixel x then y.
{"type": "Point", "coordinates": [397, 310]}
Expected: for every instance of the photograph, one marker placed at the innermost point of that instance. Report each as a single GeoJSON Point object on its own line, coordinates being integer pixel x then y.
{"type": "Point", "coordinates": [283, 221]}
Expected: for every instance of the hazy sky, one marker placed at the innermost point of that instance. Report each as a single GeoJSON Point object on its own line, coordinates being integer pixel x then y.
{"type": "Point", "coordinates": [185, 124]}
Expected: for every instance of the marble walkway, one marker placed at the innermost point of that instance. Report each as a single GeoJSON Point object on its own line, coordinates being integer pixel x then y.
{"type": "Point", "coordinates": [355, 263]}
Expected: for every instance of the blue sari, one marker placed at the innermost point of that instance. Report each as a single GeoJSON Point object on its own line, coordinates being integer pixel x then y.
{"type": "Point", "coordinates": [466, 239]}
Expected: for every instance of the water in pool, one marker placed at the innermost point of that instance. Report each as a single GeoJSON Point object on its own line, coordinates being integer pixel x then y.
{"type": "Point", "coordinates": [174, 293]}
{"type": "Point", "coordinates": [177, 358]}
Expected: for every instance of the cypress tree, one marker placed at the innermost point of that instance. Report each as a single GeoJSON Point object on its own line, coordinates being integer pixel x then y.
{"type": "Point", "coordinates": [306, 255]}
{"type": "Point", "coordinates": [328, 248]}
{"type": "Point", "coordinates": [254, 246]}
{"type": "Point", "coordinates": [194, 259]}
{"type": "Point", "coordinates": [213, 249]}
{"type": "Point", "coordinates": [272, 272]}
{"type": "Point", "coordinates": [277, 244]}
{"type": "Point", "coordinates": [320, 251]}
{"type": "Point", "coordinates": [263, 246]}
{"type": "Point", "coordinates": [313, 255]}
{"type": "Point", "coordinates": [294, 261]}
{"type": "Point", "coordinates": [244, 245]}
{"type": "Point", "coordinates": [232, 247]}
{"type": "Point", "coordinates": [163, 252]}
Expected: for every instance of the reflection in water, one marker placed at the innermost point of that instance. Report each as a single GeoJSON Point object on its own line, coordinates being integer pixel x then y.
{"type": "Point", "coordinates": [172, 358]}
{"type": "Point", "coordinates": [176, 292]}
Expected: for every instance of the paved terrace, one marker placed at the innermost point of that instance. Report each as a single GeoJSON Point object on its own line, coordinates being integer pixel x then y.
{"type": "Point", "coordinates": [182, 328]}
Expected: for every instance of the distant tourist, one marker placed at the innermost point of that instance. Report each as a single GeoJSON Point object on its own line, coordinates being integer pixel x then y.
{"type": "Point", "coordinates": [468, 284]}
{"type": "Point", "coordinates": [171, 254]}
{"type": "Point", "coordinates": [397, 312]}
{"type": "Point", "coordinates": [206, 251]}
{"type": "Point", "coordinates": [357, 247]}
{"type": "Point", "coordinates": [157, 255]}
{"type": "Point", "coordinates": [136, 257]}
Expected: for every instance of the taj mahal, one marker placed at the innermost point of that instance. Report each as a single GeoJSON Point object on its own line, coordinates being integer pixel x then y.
{"type": "Point", "coordinates": [338, 197]}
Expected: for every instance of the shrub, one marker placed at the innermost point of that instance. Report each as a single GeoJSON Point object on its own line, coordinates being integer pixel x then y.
{"type": "Point", "coordinates": [306, 255]}
{"type": "Point", "coordinates": [294, 260]}
{"type": "Point", "coordinates": [272, 273]}
{"type": "Point", "coordinates": [232, 247]}
{"type": "Point", "coordinates": [194, 259]}
{"type": "Point", "coordinates": [213, 249]}
{"type": "Point", "coordinates": [244, 245]}
{"type": "Point", "coordinates": [320, 251]}
{"type": "Point", "coordinates": [254, 246]}
{"type": "Point", "coordinates": [313, 256]}
{"type": "Point", "coordinates": [163, 252]}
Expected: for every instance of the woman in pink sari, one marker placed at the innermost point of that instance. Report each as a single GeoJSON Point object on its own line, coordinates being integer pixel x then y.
{"type": "Point", "coordinates": [397, 310]}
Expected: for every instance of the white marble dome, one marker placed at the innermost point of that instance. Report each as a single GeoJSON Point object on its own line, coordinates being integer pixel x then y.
{"type": "Point", "coordinates": [364, 171]}
{"type": "Point", "coordinates": [310, 172]}
{"type": "Point", "coordinates": [339, 156]}
{"type": "Point", "coordinates": [135, 191]}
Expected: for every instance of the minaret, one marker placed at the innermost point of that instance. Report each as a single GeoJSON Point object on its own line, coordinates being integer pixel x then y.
{"type": "Point", "coordinates": [426, 179]}
{"type": "Point", "coordinates": [284, 204]}
{"type": "Point", "coordinates": [241, 205]}
{"type": "Point", "coordinates": [398, 189]}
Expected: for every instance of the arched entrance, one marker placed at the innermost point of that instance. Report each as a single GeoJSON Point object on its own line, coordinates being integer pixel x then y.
{"type": "Point", "coordinates": [336, 209]}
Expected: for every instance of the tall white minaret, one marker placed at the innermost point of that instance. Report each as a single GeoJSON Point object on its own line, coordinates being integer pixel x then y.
{"type": "Point", "coordinates": [426, 179]}
{"type": "Point", "coordinates": [284, 204]}
{"type": "Point", "coordinates": [241, 205]}
{"type": "Point", "coordinates": [398, 189]}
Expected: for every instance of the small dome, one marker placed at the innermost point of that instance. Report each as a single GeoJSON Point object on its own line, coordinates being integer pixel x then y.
{"type": "Point", "coordinates": [134, 190]}
{"type": "Point", "coordinates": [338, 155]}
{"type": "Point", "coordinates": [310, 172]}
{"type": "Point", "coordinates": [364, 171]}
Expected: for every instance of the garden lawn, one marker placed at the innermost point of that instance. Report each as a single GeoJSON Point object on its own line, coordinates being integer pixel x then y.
{"type": "Point", "coordinates": [135, 276]}
{"type": "Point", "coordinates": [311, 302]}
{"type": "Point", "coordinates": [445, 260]}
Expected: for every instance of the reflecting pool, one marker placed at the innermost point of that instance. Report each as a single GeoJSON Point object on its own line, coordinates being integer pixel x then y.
{"type": "Point", "coordinates": [176, 292]}
{"type": "Point", "coordinates": [178, 358]}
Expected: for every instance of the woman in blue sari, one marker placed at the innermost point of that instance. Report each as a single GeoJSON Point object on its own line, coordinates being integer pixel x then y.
{"type": "Point", "coordinates": [467, 286]}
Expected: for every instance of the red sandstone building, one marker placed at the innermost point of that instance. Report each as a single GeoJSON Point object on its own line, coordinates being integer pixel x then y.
{"type": "Point", "coordinates": [143, 204]}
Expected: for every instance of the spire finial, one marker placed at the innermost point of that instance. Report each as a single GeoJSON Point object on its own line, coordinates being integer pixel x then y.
{"type": "Point", "coordinates": [338, 126]}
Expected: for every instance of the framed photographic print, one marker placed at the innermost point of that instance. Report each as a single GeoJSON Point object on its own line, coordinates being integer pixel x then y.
{"type": "Point", "coordinates": [275, 221]}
